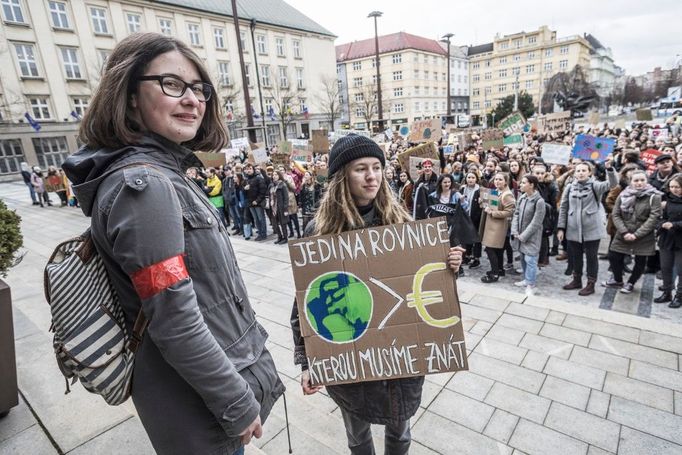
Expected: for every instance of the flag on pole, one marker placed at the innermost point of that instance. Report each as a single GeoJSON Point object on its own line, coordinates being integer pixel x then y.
{"type": "Point", "coordinates": [271, 113]}
{"type": "Point", "coordinates": [256, 115]}
{"type": "Point", "coordinates": [75, 115]}
{"type": "Point", "coordinates": [31, 121]}
{"type": "Point", "coordinates": [305, 112]}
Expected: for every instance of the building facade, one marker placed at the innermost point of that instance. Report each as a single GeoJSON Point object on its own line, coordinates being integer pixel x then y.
{"type": "Point", "coordinates": [413, 80]}
{"type": "Point", "coordinates": [51, 54]}
{"type": "Point", "coordinates": [523, 61]}
{"type": "Point", "coordinates": [459, 80]}
{"type": "Point", "coordinates": [602, 72]}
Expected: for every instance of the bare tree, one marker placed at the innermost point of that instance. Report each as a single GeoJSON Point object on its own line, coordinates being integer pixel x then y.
{"type": "Point", "coordinates": [283, 99]}
{"type": "Point", "coordinates": [366, 102]}
{"type": "Point", "coordinates": [329, 99]}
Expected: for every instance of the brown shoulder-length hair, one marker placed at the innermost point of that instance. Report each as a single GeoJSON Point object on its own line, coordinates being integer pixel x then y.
{"type": "Point", "coordinates": [107, 122]}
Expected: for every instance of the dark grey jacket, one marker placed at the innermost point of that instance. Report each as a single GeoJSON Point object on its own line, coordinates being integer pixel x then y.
{"type": "Point", "coordinates": [202, 373]}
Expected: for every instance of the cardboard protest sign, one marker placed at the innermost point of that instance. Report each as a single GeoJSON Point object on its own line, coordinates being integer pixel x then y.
{"type": "Point", "coordinates": [301, 152]}
{"type": "Point", "coordinates": [593, 118]}
{"type": "Point", "coordinates": [556, 153]}
{"type": "Point", "coordinates": [416, 164]}
{"type": "Point", "coordinates": [284, 147]}
{"type": "Point", "coordinates": [404, 131]}
{"type": "Point", "coordinates": [427, 150]}
{"type": "Point", "coordinates": [211, 159]}
{"type": "Point", "coordinates": [260, 156]}
{"type": "Point", "coordinates": [448, 149]}
{"type": "Point", "coordinates": [240, 142]}
{"type": "Point", "coordinates": [513, 140]}
{"type": "Point", "coordinates": [338, 134]}
{"type": "Point", "coordinates": [230, 153]}
{"type": "Point", "coordinates": [280, 159]}
{"type": "Point", "coordinates": [489, 197]}
{"type": "Point", "coordinates": [299, 143]}
{"type": "Point", "coordinates": [557, 122]}
{"type": "Point", "coordinates": [659, 133]}
{"type": "Point", "coordinates": [368, 314]}
{"type": "Point", "coordinates": [648, 156]}
{"type": "Point", "coordinates": [513, 124]}
{"type": "Point", "coordinates": [425, 130]}
{"type": "Point", "coordinates": [320, 141]}
{"type": "Point", "coordinates": [492, 138]}
{"type": "Point", "coordinates": [592, 148]}
{"type": "Point", "coordinates": [643, 115]}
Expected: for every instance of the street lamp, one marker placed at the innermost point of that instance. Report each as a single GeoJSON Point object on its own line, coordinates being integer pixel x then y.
{"type": "Point", "coordinates": [245, 87]}
{"type": "Point", "coordinates": [446, 39]}
{"type": "Point", "coordinates": [376, 14]}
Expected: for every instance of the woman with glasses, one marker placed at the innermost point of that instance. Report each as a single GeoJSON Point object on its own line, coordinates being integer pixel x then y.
{"type": "Point", "coordinates": [203, 381]}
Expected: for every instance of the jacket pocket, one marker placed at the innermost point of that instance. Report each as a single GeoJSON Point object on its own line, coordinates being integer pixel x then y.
{"type": "Point", "coordinates": [202, 240]}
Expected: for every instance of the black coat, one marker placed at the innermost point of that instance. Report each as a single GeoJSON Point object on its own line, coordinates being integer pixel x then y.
{"type": "Point", "coordinates": [257, 190]}
{"type": "Point", "coordinates": [671, 239]}
{"type": "Point", "coordinates": [422, 189]}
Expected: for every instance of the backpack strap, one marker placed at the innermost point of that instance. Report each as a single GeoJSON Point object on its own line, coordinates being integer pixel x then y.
{"type": "Point", "coordinates": [141, 323]}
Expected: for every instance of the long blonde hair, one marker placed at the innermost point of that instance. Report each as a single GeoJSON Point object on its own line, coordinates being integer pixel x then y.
{"type": "Point", "coordinates": [338, 212]}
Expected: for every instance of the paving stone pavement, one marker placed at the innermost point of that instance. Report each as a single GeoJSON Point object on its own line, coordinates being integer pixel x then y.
{"type": "Point", "coordinates": [549, 374]}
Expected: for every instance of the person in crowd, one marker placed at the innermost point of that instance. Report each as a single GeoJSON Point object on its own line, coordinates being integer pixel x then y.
{"type": "Point", "coordinates": [311, 192]}
{"type": "Point", "coordinates": [670, 244]}
{"type": "Point", "coordinates": [405, 191]}
{"type": "Point", "coordinates": [203, 380]}
{"type": "Point", "coordinates": [425, 185]}
{"type": "Point", "coordinates": [292, 207]}
{"type": "Point", "coordinates": [488, 173]}
{"type": "Point", "coordinates": [665, 169]}
{"type": "Point", "coordinates": [256, 191]}
{"type": "Point", "coordinates": [526, 229]}
{"type": "Point", "coordinates": [26, 175]}
{"type": "Point", "coordinates": [610, 200]}
{"type": "Point", "coordinates": [458, 174]}
{"type": "Point", "coordinates": [213, 187]}
{"type": "Point", "coordinates": [228, 199]}
{"type": "Point", "coordinates": [446, 192]}
{"type": "Point", "coordinates": [391, 180]}
{"type": "Point", "coordinates": [243, 206]}
{"type": "Point", "coordinates": [471, 194]}
{"type": "Point", "coordinates": [634, 216]}
{"type": "Point", "coordinates": [279, 205]}
{"type": "Point", "coordinates": [54, 183]}
{"type": "Point", "coordinates": [549, 193]}
{"type": "Point", "coordinates": [581, 222]}
{"type": "Point", "coordinates": [38, 182]}
{"type": "Point", "coordinates": [358, 196]}
{"type": "Point", "coordinates": [495, 226]}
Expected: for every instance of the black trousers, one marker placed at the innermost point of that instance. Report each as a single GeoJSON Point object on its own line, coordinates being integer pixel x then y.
{"type": "Point", "coordinates": [590, 249]}
{"type": "Point", "coordinates": [544, 249]}
{"type": "Point", "coordinates": [671, 259]}
{"type": "Point", "coordinates": [617, 261]}
{"type": "Point", "coordinates": [495, 256]}
{"type": "Point", "coordinates": [474, 250]}
{"type": "Point", "coordinates": [509, 250]}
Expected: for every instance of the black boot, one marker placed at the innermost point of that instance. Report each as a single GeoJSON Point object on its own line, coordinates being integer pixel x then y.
{"type": "Point", "coordinates": [677, 302]}
{"type": "Point", "coordinates": [667, 296]}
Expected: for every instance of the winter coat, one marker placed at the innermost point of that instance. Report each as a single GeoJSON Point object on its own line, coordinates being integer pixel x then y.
{"type": "Point", "coordinates": [609, 203]}
{"type": "Point", "coordinates": [37, 182]}
{"type": "Point", "coordinates": [279, 200]}
{"type": "Point", "coordinates": [202, 373]}
{"type": "Point", "coordinates": [474, 210]}
{"type": "Point", "coordinates": [405, 196]}
{"type": "Point", "coordinates": [495, 225]}
{"type": "Point", "coordinates": [642, 223]}
{"type": "Point", "coordinates": [229, 192]}
{"type": "Point", "coordinates": [581, 216]}
{"type": "Point", "coordinates": [671, 239]}
{"type": "Point", "coordinates": [310, 198]}
{"type": "Point", "coordinates": [421, 196]}
{"type": "Point", "coordinates": [659, 182]}
{"type": "Point", "coordinates": [527, 223]}
{"type": "Point", "coordinates": [256, 189]}
{"type": "Point", "coordinates": [378, 402]}
{"type": "Point", "coordinates": [292, 206]}
{"type": "Point", "coordinates": [455, 197]}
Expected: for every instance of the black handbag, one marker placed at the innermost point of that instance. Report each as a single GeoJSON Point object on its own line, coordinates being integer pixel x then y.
{"type": "Point", "coordinates": [460, 227]}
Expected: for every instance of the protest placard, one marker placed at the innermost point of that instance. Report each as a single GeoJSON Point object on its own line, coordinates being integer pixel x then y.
{"type": "Point", "coordinates": [211, 159]}
{"type": "Point", "coordinates": [557, 122]}
{"type": "Point", "coordinates": [367, 314]}
{"type": "Point", "coordinates": [320, 141]}
{"type": "Point", "coordinates": [416, 165]}
{"type": "Point", "coordinates": [643, 115]}
{"type": "Point", "coordinates": [404, 131]}
{"type": "Point", "coordinates": [512, 124]}
{"type": "Point", "coordinates": [593, 118]}
{"type": "Point", "coordinates": [492, 138]}
{"type": "Point", "coordinates": [657, 133]}
{"type": "Point", "coordinates": [592, 148]}
{"type": "Point", "coordinates": [240, 142]}
{"type": "Point", "coordinates": [301, 153]}
{"type": "Point", "coordinates": [448, 149]}
{"type": "Point", "coordinates": [425, 130]}
{"type": "Point", "coordinates": [489, 197]}
{"type": "Point", "coordinates": [230, 153]}
{"type": "Point", "coordinates": [556, 153]}
{"type": "Point", "coordinates": [284, 147]}
{"type": "Point", "coordinates": [648, 156]}
{"type": "Point", "coordinates": [427, 150]}
{"type": "Point", "coordinates": [260, 156]}
{"type": "Point", "coordinates": [299, 143]}
{"type": "Point", "coordinates": [338, 134]}
{"type": "Point", "coordinates": [280, 159]}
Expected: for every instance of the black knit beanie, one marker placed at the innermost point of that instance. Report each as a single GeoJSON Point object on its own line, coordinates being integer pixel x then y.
{"type": "Point", "coordinates": [350, 148]}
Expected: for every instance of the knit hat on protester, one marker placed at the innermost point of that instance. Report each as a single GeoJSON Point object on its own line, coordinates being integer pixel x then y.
{"type": "Point", "coordinates": [350, 148]}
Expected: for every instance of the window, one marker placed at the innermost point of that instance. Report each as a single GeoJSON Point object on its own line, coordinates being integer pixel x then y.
{"type": "Point", "coordinates": [504, 45]}
{"type": "Point", "coordinates": [397, 92]}
{"type": "Point", "coordinates": [247, 73]}
{"type": "Point", "coordinates": [261, 45]}
{"type": "Point", "coordinates": [224, 78]}
{"type": "Point", "coordinates": [488, 90]}
{"type": "Point", "coordinates": [283, 77]}
{"type": "Point", "coordinates": [434, 60]}
{"type": "Point", "coordinates": [417, 106]}
{"type": "Point", "coordinates": [476, 91]}
{"type": "Point", "coordinates": [563, 50]}
{"type": "Point", "coordinates": [444, 91]}
{"type": "Point", "coordinates": [426, 105]}
{"type": "Point", "coordinates": [26, 59]}
{"type": "Point", "coordinates": [70, 61]}
{"type": "Point", "coordinates": [466, 79]}
{"type": "Point", "coordinates": [80, 105]}
{"type": "Point", "coordinates": [357, 66]}
{"type": "Point", "coordinates": [548, 66]}
{"type": "Point", "coordinates": [517, 57]}
{"type": "Point", "coordinates": [563, 64]}
{"type": "Point", "coordinates": [548, 52]}
{"type": "Point", "coordinates": [359, 112]}
{"type": "Point", "coordinates": [40, 108]}
{"type": "Point", "coordinates": [426, 75]}
{"type": "Point", "coordinates": [103, 56]}
{"type": "Point", "coordinates": [477, 105]}
{"type": "Point", "coordinates": [374, 79]}
{"type": "Point", "coordinates": [503, 60]}
{"type": "Point", "coordinates": [11, 156]}
{"type": "Point", "coordinates": [279, 45]}
{"type": "Point", "coordinates": [529, 84]}
{"type": "Point", "coordinates": [51, 151]}
{"type": "Point", "coordinates": [488, 76]}
{"type": "Point", "coordinates": [299, 79]}
{"type": "Point", "coordinates": [359, 97]}
{"type": "Point", "coordinates": [99, 20]}
{"type": "Point", "coordinates": [194, 37]}
{"type": "Point", "coordinates": [487, 63]}
{"type": "Point", "coordinates": [242, 39]}
{"type": "Point", "coordinates": [398, 108]}
{"type": "Point", "coordinates": [417, 90]}
{"type": "Point", "coordinates": [488, 104]}
{"type": "Point", "coordinates": [516, 70]}
{"type": "Point", "coordinates": [134, 22]}
{"type": "Point", "coordinates": [517, 43]}
{"type": "Point", "coordinates": [416, 74]}
{"type": "Point", "coordinates": [531, 55]}
{"type": "Point", "coordinates": [502, 88]}
{"type": "Point", "coordinates": [476, 78]}
{"type": "Point", "coordinates": [219, 38]}
{"type": "Point", "coordinates": [397, 75]}
{"type": "Point", "coordinates": [444, 76]}
{"type": "Point", "coordinates": [11, 9]}
{"type": "Point", "coordinates": [427, 90]}
{"type": "Point", "coordinates": [166, 26]}
{"type": "Point", "coordinates": [503, 73]}
{"type": "Point", "coordinates": [229, 104]}
{"type": "Point", "coordinates": [530, 69]}
{"type": "Point", "coordinates": [397, 58]}
{"type": "Point", "coordinates": [273, 132]}
{"type": "Point", "coordinates": [476, 65]}
{"type": "Point", "coordinates": [269, 104]}
{"type": "Point", "coordinates": [459, 78]}
{"type": "Point", "coordinates": [265, 75]}
{"type": "Point", "coordinates": [297, 48]}
{"type": "Point", "coordinates": [532, 39]}
{"type": "Point", "coordinates": [515, 85]}
{"type": "Point", "coordinates": [357, 82]}
{"type": "Point", "coordinates": [59, 16]}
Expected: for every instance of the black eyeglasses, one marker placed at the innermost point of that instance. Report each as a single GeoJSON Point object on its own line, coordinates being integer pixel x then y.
{"type": "Point", "coordinates": [175, 87]}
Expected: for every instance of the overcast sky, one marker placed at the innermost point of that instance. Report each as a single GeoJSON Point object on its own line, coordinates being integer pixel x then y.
{"type": "Point", "coordinates": [641, 34]}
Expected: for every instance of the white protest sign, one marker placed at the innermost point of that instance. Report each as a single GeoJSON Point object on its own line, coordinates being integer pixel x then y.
{"type": "Point", "coordinates": [231, 153]}
{"type": "Point", "coordinates": [556, 153]}
{"type": "Point", "coordinates": [299, 142]}
{"type": "Point", "coordinates": [260, 156]}
{"type": "Point", "coordinates": [240, 142]}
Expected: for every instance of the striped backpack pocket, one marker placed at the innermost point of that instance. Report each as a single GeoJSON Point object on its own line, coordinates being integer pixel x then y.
{"type": "Point", "coordinates": [91, 341]}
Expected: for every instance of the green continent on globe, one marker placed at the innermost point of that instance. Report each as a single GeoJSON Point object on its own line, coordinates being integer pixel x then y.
{"type": "Point", "coordinates": [338, 306]}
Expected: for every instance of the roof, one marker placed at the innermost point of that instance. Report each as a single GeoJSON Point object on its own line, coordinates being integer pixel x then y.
{"type": "Point", "coordinates": [387, 43]}
{"type": "Point", "coordinates": [273, 12]}
{"type": "Point", "coordinates": [480, 49]}
{"type": "Point", "coordinates": [594, 43]}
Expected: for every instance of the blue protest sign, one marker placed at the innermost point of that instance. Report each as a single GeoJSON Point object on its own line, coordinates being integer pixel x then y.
{"type": "Point", "coordinates": [592, 148]}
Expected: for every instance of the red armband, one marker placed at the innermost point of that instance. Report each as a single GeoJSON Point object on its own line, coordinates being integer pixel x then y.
{"type": "Point", "coordinates": [158, 277]}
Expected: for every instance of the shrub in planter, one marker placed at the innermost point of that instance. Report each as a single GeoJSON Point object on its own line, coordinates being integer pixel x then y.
{"type": "Point", "coordinates": [10, 238]}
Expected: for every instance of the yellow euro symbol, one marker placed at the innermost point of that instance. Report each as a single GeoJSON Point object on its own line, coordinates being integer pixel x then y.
{"type": "Point", "coordinates": [419, 299]}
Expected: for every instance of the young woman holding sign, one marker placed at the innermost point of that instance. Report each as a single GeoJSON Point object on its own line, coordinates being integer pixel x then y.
{"type": "Point", "coordinates": [358, 196]}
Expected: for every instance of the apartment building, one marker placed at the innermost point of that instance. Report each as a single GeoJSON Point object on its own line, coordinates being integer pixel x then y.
{"type": "Point", "coordinates": [602, 71]}
{"type": "Point", "coordinates": [459, 80]}
{"type": "Point", "coordinates": [51, 53]}
{"type": "Point", "coordinates": [413, 79]}
{"type": "Point", "coordinates": [522, 61]}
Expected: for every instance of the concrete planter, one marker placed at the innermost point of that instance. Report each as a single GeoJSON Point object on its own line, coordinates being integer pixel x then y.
{"type": "Point", "coordinates": [8, 370]}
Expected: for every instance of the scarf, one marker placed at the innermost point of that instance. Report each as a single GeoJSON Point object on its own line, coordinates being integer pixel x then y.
{"type": "Point", "coordinates": [629, 196]}
{"type": "Point", "coordinates": [469, 194]}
